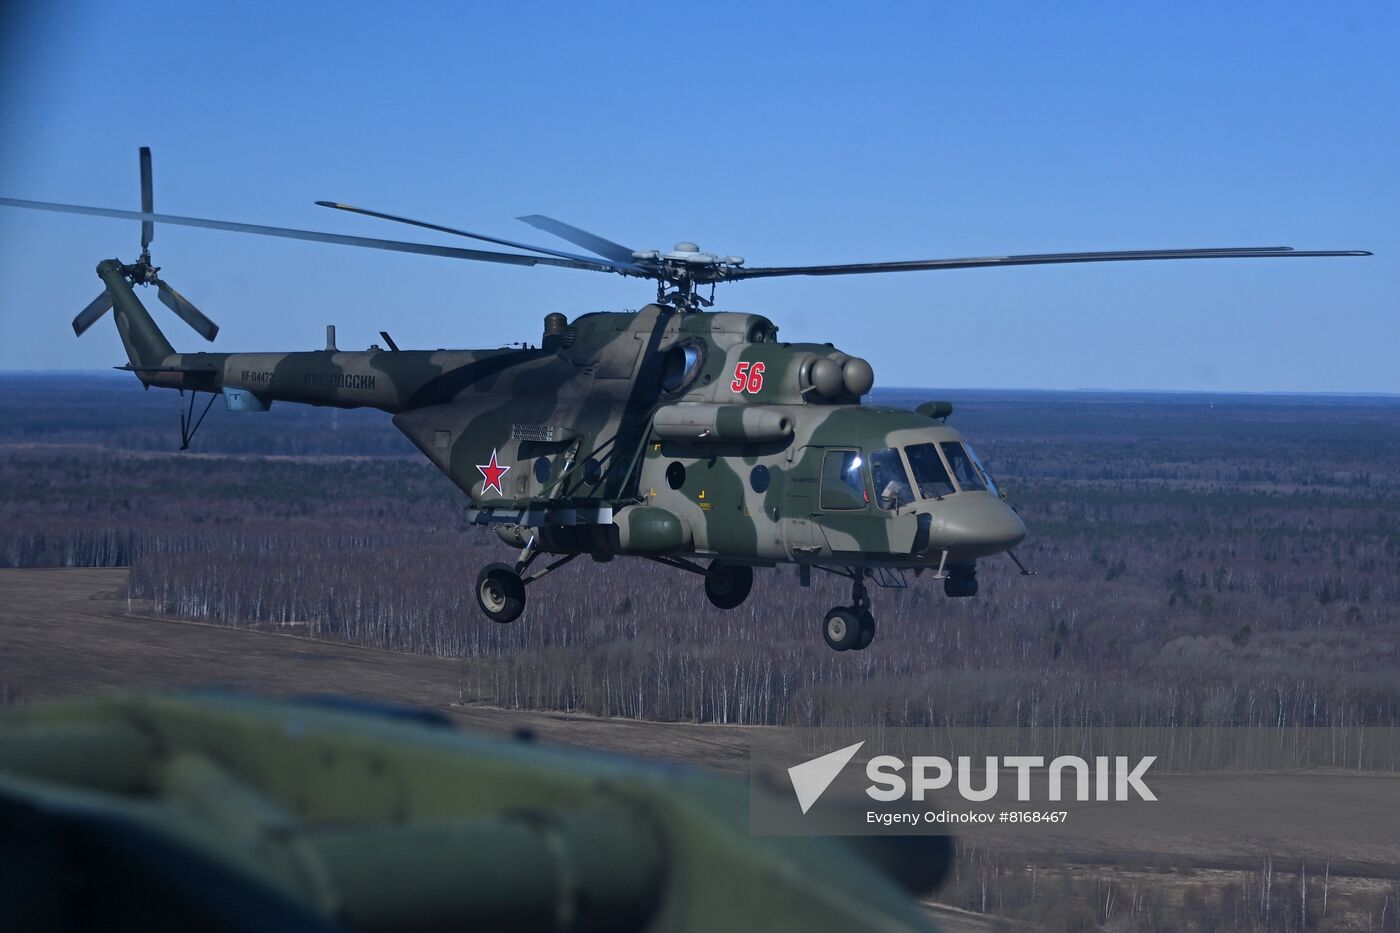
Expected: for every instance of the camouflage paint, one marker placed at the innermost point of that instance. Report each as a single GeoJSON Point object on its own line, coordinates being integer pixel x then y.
{"type": "Point", "coordinates": [584, 402]}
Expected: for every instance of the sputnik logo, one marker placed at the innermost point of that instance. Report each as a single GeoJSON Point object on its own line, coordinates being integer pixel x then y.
{"type": "Point", "coordinates": [491, 474]}
{"type": "Point", "coordinates": [811, 778]}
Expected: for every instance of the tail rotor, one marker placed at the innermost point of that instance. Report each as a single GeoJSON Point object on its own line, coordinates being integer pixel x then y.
{"type": "Point", "coordinates": [142, 272]}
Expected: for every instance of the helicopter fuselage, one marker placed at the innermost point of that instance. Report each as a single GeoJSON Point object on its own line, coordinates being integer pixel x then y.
{"type": "Point", "coordinates": [659, 433]}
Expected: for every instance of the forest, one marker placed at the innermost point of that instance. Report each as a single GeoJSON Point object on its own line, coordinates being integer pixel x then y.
{"type": "Point", "coordinates": [1201, 560]}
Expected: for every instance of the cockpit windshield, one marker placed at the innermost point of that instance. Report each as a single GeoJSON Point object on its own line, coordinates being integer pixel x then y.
{"type": "Point", "coordinates": [991, 483]}
{"type": "Point", "coordinates": [892, 489]}
{"type": "Point", "coordinates": [968, 477]}
{"type": "Point", "coordinates": [929, 471]}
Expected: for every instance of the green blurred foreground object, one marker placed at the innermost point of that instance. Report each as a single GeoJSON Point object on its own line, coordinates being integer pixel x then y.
{"type": "Point", "coordinates": [672, 434]}
{"type": "Point", "coordinates": [211, 811]}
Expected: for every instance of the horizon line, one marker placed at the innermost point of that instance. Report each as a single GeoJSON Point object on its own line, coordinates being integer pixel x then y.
{"type": "Point", "coordinates": [116, 373]}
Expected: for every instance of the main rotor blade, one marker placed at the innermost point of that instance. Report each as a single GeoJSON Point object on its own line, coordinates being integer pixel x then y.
{"type": "Point", "coordinates": [589, 241]}
{"type": "Point", "coordinates": [188, 313]}
{"type": "Point", "coordinates": [629, 265]}
{"type": "Point", "coordinates": [1038, 259]}
{"type": "Point", "coordinates": [452, 252]}
{"type": "Point", "coordinates": [95, 309]}
{"type": "Point", "coordinates": [148, 229]}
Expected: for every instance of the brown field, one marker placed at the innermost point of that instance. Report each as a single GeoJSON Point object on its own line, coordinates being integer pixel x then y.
{"type": "Point", "coordinates": [68, 632]}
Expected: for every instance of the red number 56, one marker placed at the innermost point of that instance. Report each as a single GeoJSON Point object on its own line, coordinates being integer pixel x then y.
{"type": "Point", "coordinates": [748, 378]}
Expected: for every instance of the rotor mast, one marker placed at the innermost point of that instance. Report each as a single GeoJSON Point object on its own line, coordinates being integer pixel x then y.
{"type": "Point", "coordinates": [683, 270]}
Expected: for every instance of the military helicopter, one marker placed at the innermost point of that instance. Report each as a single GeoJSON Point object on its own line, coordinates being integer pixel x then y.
{"type": "Point", "coordinates": [689, 437]}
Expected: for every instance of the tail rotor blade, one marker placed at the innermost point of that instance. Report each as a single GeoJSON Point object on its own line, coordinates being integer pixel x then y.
{"type": "Point", "coordinates": [186, 311]}
{"type": "Point", "coordinates": [148, 228]}
{"type": "Point", "coordinates": [89, 315]}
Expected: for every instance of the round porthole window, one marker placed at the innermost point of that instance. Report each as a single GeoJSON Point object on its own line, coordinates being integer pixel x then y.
{"type": "Point", "coordinates": [543, 470]}
{"type": "Point", "coordinates": [592, 472]}
{"type": "Point", "coordinates": [675, 475]}
{"type": "Point", "coordinates": [759, 478]}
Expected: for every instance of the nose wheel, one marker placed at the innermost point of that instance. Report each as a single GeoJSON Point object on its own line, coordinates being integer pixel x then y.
{"type": "Point", "coordinates": [851, 628]}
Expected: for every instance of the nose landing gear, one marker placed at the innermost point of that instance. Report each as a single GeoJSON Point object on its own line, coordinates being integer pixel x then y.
{"type": "Point", "coordinates": [851, 628]}
{"type": "Point", "coordinates": [961, 582]}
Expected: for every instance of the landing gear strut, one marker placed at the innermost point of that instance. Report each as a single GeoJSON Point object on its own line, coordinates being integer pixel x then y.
{"type": "Point", "coordinates": [851, 628]}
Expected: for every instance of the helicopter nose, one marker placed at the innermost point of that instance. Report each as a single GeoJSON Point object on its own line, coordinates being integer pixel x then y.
{"type": "Point", "coordinates": [974, 525]}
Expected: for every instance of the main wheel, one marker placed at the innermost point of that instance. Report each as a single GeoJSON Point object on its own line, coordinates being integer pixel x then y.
{"type": "Point", "coordinates": [500, 593]}
{"type": "Point", "coordinates": [728, 585]}
{"type": "Point", "coordinates": [867, 629]}
{"type": "Point", "coordinates": [841, 629]}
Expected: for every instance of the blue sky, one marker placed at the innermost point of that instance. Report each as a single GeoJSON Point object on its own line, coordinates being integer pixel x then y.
{"type": "Point", "coordinates": [785, 133]}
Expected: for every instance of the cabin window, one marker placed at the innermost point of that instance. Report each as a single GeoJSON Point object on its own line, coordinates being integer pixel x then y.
{"type": "Point", "coordinates": [892, 486]}
{"type": "Point", "coordinates": [759, 478]}
{"type": "Point", "coordinates": [929, 471]}
{"type": "Point", "coordinates": [843, 483]}
{"type": "Point", "coordinates": [968, 477]}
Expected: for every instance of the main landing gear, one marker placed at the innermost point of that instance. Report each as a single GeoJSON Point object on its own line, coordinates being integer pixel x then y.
{"type": "Point", "coordinates": [500, 588]}
{"type": "Point", "coordinates": [851, 628]}
{"type": "Point", "coordinates": [728, 585]}
{"type": "Point", "coordinates": [500, 592]}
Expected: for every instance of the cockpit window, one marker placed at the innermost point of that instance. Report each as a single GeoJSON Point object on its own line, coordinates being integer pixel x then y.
{"type": "Point", "coordinates": [991, 483]}
{"type": "Point", "coordinates": [929, 471]}
{"type": "Point", "coordinates": [968, 477]}
{"type": "Point", "coordinates": [892, 487]}
{"type": "Point", "coordinates": [843, 483]}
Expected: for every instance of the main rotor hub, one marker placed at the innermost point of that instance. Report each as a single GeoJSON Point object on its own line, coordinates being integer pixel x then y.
{"type": "Point", "coordinates": [679, 271]}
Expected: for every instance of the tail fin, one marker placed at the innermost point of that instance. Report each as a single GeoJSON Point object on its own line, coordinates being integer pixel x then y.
{"type": "Point", "coordinates": [146, 346]}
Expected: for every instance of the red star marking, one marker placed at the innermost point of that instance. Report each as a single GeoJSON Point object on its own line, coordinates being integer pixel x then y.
{"type": "Point", "coordinates": [491, 474]}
